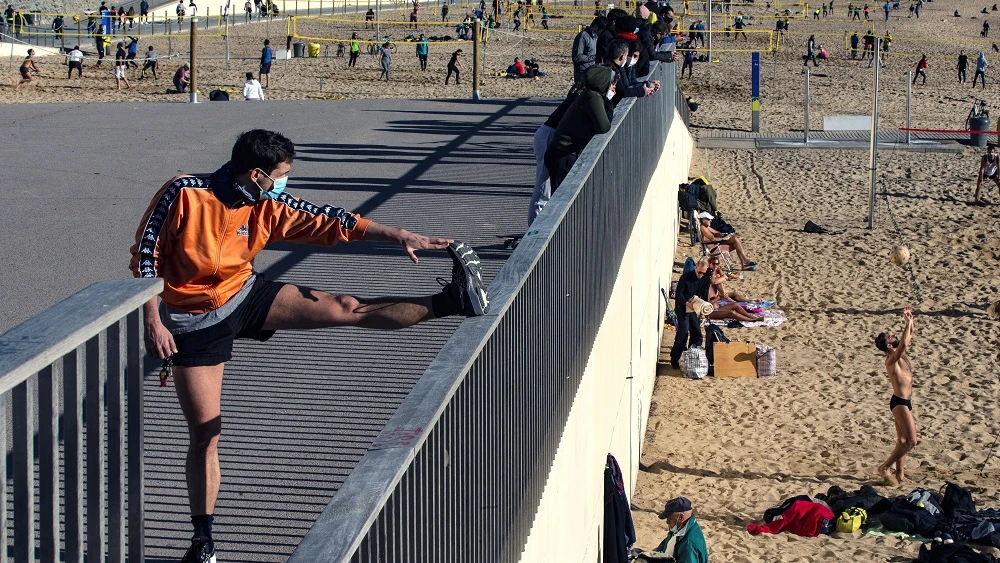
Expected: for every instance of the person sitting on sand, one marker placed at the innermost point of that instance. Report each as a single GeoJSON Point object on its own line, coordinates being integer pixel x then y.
{"type": "Point", "coordinates": [727, 243]}
{"type": "Point", "coordinates": [900, 372]}
{"type": "Point", "coordinates": [989, 169]}
{"type": "Point", "coordinates": [685, 541]}
{"type": "Point", "coordinates": [726, 304]}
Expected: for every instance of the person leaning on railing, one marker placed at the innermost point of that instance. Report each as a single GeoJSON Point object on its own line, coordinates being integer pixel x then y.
{"type": "Point", "coordinates": [589, 115]}
{"type": "Point", "coordinates": [201, 234]}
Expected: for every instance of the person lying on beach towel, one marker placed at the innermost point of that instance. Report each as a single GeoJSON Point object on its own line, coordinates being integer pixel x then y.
{"type": "Point", "coordinates": [719, 298]}
{"type": "Point", "coordinates": [801, 517]}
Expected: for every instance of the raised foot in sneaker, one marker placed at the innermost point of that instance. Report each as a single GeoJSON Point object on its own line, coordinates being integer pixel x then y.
{"type": "Point", "coordinates": [199, 552]}
{"type": "Point", "coordinates": [467, 280]}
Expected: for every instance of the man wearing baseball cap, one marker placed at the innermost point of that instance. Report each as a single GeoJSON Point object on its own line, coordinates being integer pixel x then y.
{"type": "Point", "coordinates": [684, 542]}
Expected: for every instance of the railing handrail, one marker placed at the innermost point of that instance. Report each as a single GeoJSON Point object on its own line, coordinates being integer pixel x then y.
{"type": "Point", "coordinates": [60, 329]}
{"type": "Point", "coordinates": [342, 525]}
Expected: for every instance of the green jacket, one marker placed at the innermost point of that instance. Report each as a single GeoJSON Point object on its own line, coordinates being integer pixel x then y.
{"type": "Point", "coordinates": [589, 114]}
{"type": "Point", "coordinates": [690, 548]}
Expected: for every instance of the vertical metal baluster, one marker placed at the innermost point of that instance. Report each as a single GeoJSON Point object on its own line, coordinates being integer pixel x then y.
{"type": "Point", "coordinates": [24, 473]}
{"type": "Point", "coordinates": [73, 440]}
{"type": "Point", "coordinates": [136, 412]}
{"type": "Point", "coordinates": [4, 402]}
{"type": "Point", "coordinates": [48, 466]}
{"type": "Point", "coordinates": [96, 370]}
{"type": "Point", "coordinates": [116, 442]}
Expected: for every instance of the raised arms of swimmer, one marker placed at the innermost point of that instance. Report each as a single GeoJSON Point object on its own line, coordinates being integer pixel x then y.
{"type": "Point", "coordinates": [904, 341]}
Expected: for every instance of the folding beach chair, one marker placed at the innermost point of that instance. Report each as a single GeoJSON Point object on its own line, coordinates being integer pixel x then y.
{"type": "Point", "coordinates": [714, 249]}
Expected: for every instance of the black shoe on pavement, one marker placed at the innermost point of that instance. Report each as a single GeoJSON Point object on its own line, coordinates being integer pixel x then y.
{"type": "Point", "coordinates": [467, 280]}
{"type": "Point", "coordinates": [201, 551]}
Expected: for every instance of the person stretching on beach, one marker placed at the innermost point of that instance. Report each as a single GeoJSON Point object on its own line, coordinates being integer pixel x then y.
{"type": "Point", "coordinates": [900, 372]}
{"type": "Point", "coordinates": [989, 169]}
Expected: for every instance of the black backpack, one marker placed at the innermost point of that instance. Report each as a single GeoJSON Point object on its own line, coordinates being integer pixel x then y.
{"type": "Point", "coordinates": [713, 334]}
{"type": "Point", "coordinates": [957, 501]}
{"type": "Point", "coordinates": [218, 96]}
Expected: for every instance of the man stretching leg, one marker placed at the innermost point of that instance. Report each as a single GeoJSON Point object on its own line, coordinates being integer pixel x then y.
{"type": "Point", "coordinates": [897, 367]}
{"type": "Point", "coordinates": [201, 234]}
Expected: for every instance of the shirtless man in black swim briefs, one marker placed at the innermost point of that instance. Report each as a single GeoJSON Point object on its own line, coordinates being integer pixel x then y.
{"type": "Point", "coordinates": [989, 169]}
{"type": "Point", "coordinates": [897, 367]}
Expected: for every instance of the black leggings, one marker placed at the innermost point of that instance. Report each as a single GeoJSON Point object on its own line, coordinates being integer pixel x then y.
{"type": "Point", "coordinates": [354, 58]}
{"type": "Point", "coordinates": [961, 75]}
{"type": "Point", "coordinates": [558, 164]}
{"type": "Point", "coordinates": [452, 69]}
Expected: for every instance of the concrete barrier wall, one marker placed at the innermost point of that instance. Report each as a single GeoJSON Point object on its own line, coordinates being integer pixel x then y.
{"type": "Point", "coordinates": [610, 409]}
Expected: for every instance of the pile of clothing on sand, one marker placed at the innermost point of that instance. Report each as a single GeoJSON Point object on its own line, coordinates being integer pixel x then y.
{"type": "Point", "coordinates": [946, 521]}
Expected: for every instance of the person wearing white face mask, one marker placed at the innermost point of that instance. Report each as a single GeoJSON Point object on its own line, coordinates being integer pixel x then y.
{"type": "Point", "coordinates": [684, 542]}
{"type": "Point", "coordinates": [627, 87]}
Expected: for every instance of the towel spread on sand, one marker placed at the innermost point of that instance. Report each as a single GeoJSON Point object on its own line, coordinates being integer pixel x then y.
{"type": "Point", "coordinates": [772, 318]}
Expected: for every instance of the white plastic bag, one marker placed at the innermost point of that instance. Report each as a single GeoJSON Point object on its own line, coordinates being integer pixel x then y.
{"type": "Point", "coordinates": [694, 362]}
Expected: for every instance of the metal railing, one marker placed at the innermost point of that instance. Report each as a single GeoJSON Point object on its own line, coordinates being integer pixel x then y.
{"type": "Point", "coordinates": [457, 473]}
{"type": "Point", "coordinates": [66, 377]}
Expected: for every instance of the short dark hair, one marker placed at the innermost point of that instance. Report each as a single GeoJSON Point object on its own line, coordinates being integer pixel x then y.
{"type": "Point", "coordinates": [617, 48]}
{"type": "Point", "coordinates": [599, 23]}
{"type": "Point", "coordinates": [634, 47]}
{"type": "Point", "coordinates": [249, 76]}
{"type": "Point", "coordinates": [262, 149]}
{"type": "Point", "coordinates": [267, 41]}
{"type": "Point", "coordinates": [628, 24]}
{"type": "Point", "coordinates": [882, 341]}
{"type": "Point", "coordinates": [660, 27]}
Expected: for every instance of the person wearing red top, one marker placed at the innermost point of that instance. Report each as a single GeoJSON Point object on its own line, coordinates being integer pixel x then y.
{"type": "Point", "coordinates": [921, 68]}
{"type": "Point", "coordinates": [519, 66]}
{"type": "Point", "coordinates": [802, 518]}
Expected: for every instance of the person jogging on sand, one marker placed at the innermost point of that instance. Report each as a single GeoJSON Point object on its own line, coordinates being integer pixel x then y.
{"type": "Point", "coordinates": [201, 234]}
{"type": "Point", "coordinates": [900, 372]}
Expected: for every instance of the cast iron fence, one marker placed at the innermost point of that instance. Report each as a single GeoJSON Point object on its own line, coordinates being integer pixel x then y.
{"type": "Point", "coordinates": [457, 473]}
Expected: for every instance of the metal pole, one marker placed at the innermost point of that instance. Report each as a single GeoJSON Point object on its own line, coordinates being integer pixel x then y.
{"type": "Point", "coordinates": [807, 105]}
{"type": "Point", "coordinates": [909, 84]}
{"type": "Point", "coordinates": [709, 31]}
{"type": "Point", "coordinates": [378, 20]}
{"type": "Point", "coordinates": [194, 61]}
{"type": "Point", "coordinates": [873, 141]}
{"type": "Point", "coordinates": [476, 53]}
{"type": "Point", "coordinates": [226, 37]}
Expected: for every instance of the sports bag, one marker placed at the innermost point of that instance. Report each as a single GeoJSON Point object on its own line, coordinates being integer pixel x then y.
{"type": "Point", "coordinates": [694, 362]}
{"type": "Point", "coordinates": [851, 519]}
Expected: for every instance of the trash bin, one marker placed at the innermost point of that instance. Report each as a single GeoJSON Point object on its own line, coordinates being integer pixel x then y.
{"type": "Point", "coordinates": [978, 124]}
{"type": "Point", "coordinates": [298, 50]}
{"type": "Point", "coordinates": [313, 50]}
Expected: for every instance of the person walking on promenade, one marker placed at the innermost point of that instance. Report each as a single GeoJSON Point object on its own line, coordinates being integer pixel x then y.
{"type": "Point", "coordinates": [981, 65]}
{"type": "Point", "coordinates": [422, 48]}
{"type": "Point", "coordinates": [900, 372]}
{"type": "Point", "coordinates": [385, 58]}
{"type": "Point", "coordinates": [921, 70]}
{"type": "Point", "coordinates": [266, 56]}
{"type": "Point", "coordinates": [200, 235]}
{"type": "Point", "coordinates": [454, 65]}
{"type": "Point", "coordinates": [585, 49]}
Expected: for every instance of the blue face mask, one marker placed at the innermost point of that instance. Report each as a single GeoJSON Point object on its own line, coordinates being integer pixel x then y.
{"type": "Point", "coordinates": [277, 187]}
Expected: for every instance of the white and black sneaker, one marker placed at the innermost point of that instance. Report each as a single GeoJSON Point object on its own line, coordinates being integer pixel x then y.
{"type": "Point", "coordinates": [467, 280]}
{"type": "Point", "coordinates": [201, 551]}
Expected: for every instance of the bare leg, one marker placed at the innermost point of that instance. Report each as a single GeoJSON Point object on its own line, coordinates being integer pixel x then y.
{"type": "Point", "coordinates": [906, 439]}
{"type": "Point", "coordinates": [304, 308]}
{"type": "Point", "coordinates": [199, 390]}
{"type": "Point", "coordinates": [738, 247]}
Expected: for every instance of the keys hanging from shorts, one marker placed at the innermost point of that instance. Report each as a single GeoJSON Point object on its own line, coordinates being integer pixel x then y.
{"type": "Point", "coordinates": [165, 371]}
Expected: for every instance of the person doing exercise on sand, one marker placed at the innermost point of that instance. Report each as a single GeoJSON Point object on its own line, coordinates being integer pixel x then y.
{"type": "Point", "coordinates": [989, 169]}
{"type": "Point", "coordinates": [900, 372]}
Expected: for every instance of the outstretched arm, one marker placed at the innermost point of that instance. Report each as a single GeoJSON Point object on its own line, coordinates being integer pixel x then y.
{"type": "Point", "coordinates": [904, 341]}
{"type": "Point", "coordinates": [410, 242]}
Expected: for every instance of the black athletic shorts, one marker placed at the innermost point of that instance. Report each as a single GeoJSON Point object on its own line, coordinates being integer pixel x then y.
{"type": "Point", "coordinates": [265, 68]}
{"type": "Point", "coordinates": [213, 345]}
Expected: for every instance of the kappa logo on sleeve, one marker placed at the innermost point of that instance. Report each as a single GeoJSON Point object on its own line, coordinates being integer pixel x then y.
{"type": "Point", "coordinates": [243, 231]}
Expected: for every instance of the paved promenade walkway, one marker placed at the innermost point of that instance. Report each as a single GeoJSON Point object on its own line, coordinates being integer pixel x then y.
{"type": "Point", "coordinates": [300, 410]}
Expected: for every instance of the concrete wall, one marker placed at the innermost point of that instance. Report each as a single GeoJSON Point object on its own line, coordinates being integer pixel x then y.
{"type": "Point", "coordinates": [610, 409]}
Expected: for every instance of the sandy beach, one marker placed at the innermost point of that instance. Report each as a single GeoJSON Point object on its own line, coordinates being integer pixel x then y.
{"type": "Point", "coordinates": [739, 446]}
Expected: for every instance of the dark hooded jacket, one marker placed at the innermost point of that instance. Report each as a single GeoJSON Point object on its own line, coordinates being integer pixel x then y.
{"type": "Point", "coordinates": [589, 115]}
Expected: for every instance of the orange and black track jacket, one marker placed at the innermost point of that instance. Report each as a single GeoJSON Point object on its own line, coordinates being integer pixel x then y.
{"type": "Point", "coordinates": [201, 234]}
